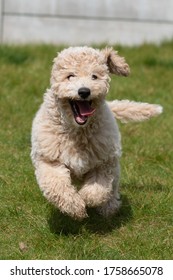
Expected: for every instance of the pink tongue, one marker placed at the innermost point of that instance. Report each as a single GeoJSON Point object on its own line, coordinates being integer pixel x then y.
{"type": "Point", "coordinates": [85, 108]}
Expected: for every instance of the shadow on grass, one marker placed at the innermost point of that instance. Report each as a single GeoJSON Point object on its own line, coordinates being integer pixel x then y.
{"type": "Point", "coordinates": [63, 225]}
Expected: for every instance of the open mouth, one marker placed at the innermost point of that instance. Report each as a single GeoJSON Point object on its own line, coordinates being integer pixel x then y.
{"type": "Point", "coordinates": [81, 110]}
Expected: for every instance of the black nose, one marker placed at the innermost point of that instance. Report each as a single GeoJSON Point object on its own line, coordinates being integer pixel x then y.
{"type": "Point", "coordinates": [84, 92]}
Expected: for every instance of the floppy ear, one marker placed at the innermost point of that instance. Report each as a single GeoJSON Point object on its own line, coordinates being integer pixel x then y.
{"type": "Point", "coordinates": [116, 64]}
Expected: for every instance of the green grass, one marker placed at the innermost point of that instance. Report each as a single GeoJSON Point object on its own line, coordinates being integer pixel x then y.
{"type": "Point", "coordinates": [144, 227]}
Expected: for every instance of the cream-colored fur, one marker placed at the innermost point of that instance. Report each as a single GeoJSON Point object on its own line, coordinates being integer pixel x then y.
{"type": "Point", "coordinates": [75, 133]}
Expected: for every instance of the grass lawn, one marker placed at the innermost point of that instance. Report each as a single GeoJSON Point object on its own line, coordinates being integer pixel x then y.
{"type": "Point", "coordinates": [30, 228]}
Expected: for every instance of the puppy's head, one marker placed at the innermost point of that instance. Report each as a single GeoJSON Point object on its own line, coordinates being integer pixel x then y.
{"type": "Point", "coordinates": [80, 80]}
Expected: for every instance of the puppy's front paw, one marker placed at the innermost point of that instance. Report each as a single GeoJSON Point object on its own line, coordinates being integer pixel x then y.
{"type": "Point", "coordinates": [94, 195]}
{"type": "Point", "coordinates": [74, 206]}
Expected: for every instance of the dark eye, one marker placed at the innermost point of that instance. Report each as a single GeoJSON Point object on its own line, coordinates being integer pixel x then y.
{"type": "Point", "coordinates": [70, 76]}
{"type": "Point", "coordinates": [94, 77]}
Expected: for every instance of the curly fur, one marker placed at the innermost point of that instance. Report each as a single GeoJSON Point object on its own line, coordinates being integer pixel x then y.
{"type": "Point", "coordinates": [67, 145]}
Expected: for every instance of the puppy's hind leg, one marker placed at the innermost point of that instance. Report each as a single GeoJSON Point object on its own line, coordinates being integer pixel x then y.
{"type": "Point", "coordinates": [111, 206]}
{"type": "Point", "coordinates": [114, 203]}
{"type": "Point", "coordinates": [55, 182]}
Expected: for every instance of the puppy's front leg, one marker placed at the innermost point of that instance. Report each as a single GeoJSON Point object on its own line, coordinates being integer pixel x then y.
{"type": "Point", "coordinates": [55, 182]}
{"type": "Point", "coordinates": [98, 185]}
